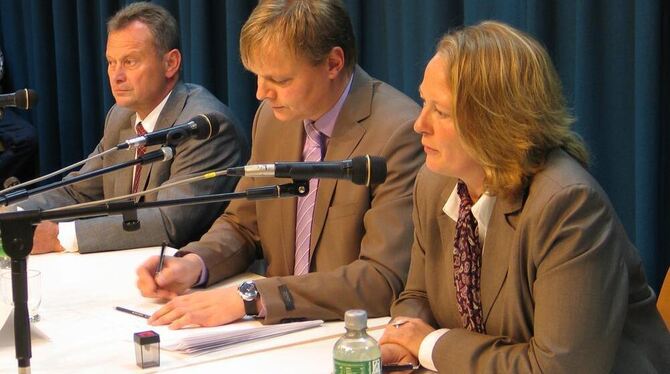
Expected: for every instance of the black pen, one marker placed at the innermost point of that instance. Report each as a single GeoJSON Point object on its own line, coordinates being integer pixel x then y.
{"type": "Point", "coordinates": [133, 312]}
{"type": "Point", "coordinates": [396, 366]}
{"type": "Point", "coordinates": [160, 260]}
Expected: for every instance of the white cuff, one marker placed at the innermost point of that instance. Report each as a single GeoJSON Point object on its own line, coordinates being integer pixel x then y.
{"type": "Point", "coordinates": [426, 348]}
{"type": "Point", "coordinates": [67, 236]}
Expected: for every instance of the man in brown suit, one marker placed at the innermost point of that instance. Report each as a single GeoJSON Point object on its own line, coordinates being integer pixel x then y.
{"type": "Point", "coordinates": [304, 56]}
{"type": "Point", "coordinates": [546, 281]}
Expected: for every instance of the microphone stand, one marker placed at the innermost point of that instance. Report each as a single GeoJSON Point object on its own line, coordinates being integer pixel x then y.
{"type": "Point", "coordinates": [18, 229]}
{"type": "Point", "coordinates": [164, 153]}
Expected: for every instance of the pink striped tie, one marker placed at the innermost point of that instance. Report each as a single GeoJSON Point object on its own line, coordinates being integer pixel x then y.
{"type": "Point", "coordinates": [312, 152]}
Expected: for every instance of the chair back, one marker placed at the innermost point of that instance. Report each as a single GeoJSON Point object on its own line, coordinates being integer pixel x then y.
{"type": "Point", "coordinates": [663, 303]}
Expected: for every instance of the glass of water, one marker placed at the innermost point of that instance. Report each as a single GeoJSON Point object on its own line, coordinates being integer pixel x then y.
{"type": "Point", "coordinates": [34, 291]}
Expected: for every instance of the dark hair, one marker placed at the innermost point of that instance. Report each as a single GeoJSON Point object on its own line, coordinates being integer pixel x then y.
{"type": "Point", "coordinates": [162, 24]}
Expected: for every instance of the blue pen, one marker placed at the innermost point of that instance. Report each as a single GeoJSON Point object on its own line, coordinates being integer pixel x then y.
{"type": "Point", "coordinates": [160, 260]}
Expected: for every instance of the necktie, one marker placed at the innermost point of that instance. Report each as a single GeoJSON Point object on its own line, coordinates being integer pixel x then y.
{"type": "Point", "coordinates": [467, 264]}
{"type": "Point", "coordinates": [139, 129]}
{"type": "Point", "coordinates": [312, 152]}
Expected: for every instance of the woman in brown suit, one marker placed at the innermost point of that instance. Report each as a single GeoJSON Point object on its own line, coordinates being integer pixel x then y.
{"type": "Point", "coordinates": [519, 262]}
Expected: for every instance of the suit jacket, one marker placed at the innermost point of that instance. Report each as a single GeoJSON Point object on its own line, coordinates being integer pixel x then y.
{"type": "Point", "coordinates": [361, 237]}
{"type": "Point", "coordinates": [562, 288]}
{"type": "Point", "coordinates": [179, 224]}
{"type": "Point", "coordinates": [18, 146]}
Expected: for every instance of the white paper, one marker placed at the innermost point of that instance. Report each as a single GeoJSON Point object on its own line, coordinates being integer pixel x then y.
{"type": "Point", "coordinates": [204, 339]}
{"type": "Point", "coordinates": [7, 327]}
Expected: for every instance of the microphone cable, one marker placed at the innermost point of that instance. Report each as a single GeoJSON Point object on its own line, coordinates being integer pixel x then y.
{"type": "Point", "coordinates": [205, 176]}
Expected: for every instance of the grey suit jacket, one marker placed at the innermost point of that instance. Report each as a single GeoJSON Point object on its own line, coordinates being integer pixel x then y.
{"type": "Point", "coordinates": [177, 225]}
{"type": "Point", "coordinates": [361, 237]}
{"type": "Point", "coordinates": [562, 288]}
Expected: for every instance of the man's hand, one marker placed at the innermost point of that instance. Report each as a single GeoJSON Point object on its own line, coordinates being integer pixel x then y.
{"type": "Point", "coordinates": [409, 333]}
{"type": "Point", "coordinates": [178, 275]}
{"type": "Point", "coordinates": [45, 239]}
{"type": "Point", "coordinates": [205, 308]}
{"type": "Point", "coordinates": [394, 353]}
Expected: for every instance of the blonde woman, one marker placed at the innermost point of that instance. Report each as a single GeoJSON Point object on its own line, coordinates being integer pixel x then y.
{"type": "Point", "coordinates": [519, 262]}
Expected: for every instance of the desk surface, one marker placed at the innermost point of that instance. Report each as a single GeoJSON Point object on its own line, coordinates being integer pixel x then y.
{"type": "Point", "coordinates": [79, 293]}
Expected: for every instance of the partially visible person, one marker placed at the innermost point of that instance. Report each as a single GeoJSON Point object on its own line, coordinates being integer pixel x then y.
{"type": "Point", "coordinates": [519, 262]}
{"type": "Point", "coordinates": [343, 246]}
{"type": "Point", "coordinates": [144, 62]}
{"type": "Point", "coordinates": [18, 143]}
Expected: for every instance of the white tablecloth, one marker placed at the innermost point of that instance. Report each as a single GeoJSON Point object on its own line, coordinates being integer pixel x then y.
{"type": "Point", "coordinates": [86, 334]}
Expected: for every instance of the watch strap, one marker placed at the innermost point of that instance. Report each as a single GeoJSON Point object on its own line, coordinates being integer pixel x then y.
{"type": "Point", "coordinates": [250, 308]}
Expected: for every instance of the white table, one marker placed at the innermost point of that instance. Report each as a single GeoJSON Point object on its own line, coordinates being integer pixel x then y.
{"type": "Point", "coordinates": [79, 293]}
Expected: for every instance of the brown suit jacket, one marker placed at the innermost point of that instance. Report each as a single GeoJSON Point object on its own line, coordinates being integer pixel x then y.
{"type": "Point", "coordinates": [361, 237]}
{"type": "Point", "coordinates": [562, 288]}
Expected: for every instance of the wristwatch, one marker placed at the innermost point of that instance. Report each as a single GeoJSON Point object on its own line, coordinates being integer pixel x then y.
{"type": "Point", "coordinates": [249, 295]}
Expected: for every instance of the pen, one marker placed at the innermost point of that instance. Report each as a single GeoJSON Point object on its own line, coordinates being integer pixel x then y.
{"type": "Point", "coordinates": [160, 260]}
{"type": "Point", "coordinates": [398, 323]}
{"type": "Point", "coordinates": [133, 312]}
{"type": "Point", "coordinates": [397, 366]}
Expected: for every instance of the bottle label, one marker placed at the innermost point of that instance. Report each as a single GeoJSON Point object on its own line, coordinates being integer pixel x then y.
{"type": "Point", "coordinates": [358, 367]}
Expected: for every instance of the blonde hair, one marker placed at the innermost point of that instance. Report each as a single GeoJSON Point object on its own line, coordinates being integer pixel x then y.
{"type": "Point", "coordinates": [509, 108]}
{"type": "Point", "coordinates": [305, 28]}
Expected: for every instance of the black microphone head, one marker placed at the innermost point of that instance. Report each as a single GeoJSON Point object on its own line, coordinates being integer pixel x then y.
{"type": "Point", "coordinates": [25, 98]}
{"type": "Point", "coordinates": [208, 124]}
{"type": "Point", "coordinates": [368, 170]}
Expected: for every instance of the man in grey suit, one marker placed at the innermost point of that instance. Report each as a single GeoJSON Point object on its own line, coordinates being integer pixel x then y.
{"type": "Point", "coordinates": [143, 67]}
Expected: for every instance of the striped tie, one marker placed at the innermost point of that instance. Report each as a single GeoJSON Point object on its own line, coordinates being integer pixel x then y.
{"type": "Point", "coordinates": [139, 129]}
{"type": "Point", "coordinates": [312, 152]}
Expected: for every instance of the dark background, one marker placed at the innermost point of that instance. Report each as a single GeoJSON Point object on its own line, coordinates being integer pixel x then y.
{"type": "Point", "coordinates": [612, 56]}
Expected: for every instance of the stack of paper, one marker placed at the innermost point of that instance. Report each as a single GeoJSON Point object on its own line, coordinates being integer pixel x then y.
{"type": "Point", "coordinates": [202, 339]}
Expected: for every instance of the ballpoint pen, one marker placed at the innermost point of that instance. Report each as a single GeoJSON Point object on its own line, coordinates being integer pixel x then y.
{"type": "Point", "coordinates": [398, 366]}
{"type": "Point", "coordinates": [133, 312]}
{"type": "Point", "coordinates": [399, 323]}
{"type": "Point", "coordinates": [160, 260]}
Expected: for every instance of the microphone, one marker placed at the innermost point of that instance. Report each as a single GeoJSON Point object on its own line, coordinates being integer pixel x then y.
{"type": "Point", "coordinates": [364, 170]}
{"type": "Point", "coordinates": [202, 126]}
{"type": "Point", "coordinates": [23, 99]}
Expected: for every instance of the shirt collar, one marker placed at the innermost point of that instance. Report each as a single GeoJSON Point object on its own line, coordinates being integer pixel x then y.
{"type": "Point", "coordinates": [482, 210]}
{"type": "Point", "coordinates": [326, 124]}
{"type": "Point", "coordinates": [149, 122]}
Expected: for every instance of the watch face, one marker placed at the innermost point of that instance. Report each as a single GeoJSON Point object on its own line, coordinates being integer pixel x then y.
{"type": "Point", "coordinates": [248, 291]}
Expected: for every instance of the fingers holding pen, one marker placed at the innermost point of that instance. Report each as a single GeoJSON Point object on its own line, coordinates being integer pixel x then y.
{"type": "Point", "coordinates": [406, 331]}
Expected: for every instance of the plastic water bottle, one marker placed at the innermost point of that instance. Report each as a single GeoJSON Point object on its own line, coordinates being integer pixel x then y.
{"type": "Point", "coordinates": [5, 261]}
{"type": "Point", "coordinates": [356, 352]}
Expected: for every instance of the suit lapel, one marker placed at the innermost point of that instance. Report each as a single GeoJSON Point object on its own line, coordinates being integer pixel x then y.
{"type": "Point", "coordinates": [447, 233]}
{"type": "Point", "coordinates": [166, 119]}
{"type": "Point", "coordinates": [346, 136]}
{"type": "Point", "coordinates": [497, 248]}
{"type": "Point", "coordinates": [124, 179]}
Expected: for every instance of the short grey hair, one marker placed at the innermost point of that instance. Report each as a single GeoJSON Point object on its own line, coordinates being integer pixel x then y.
{"type": "Point", "coordinates": [162, 24]}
